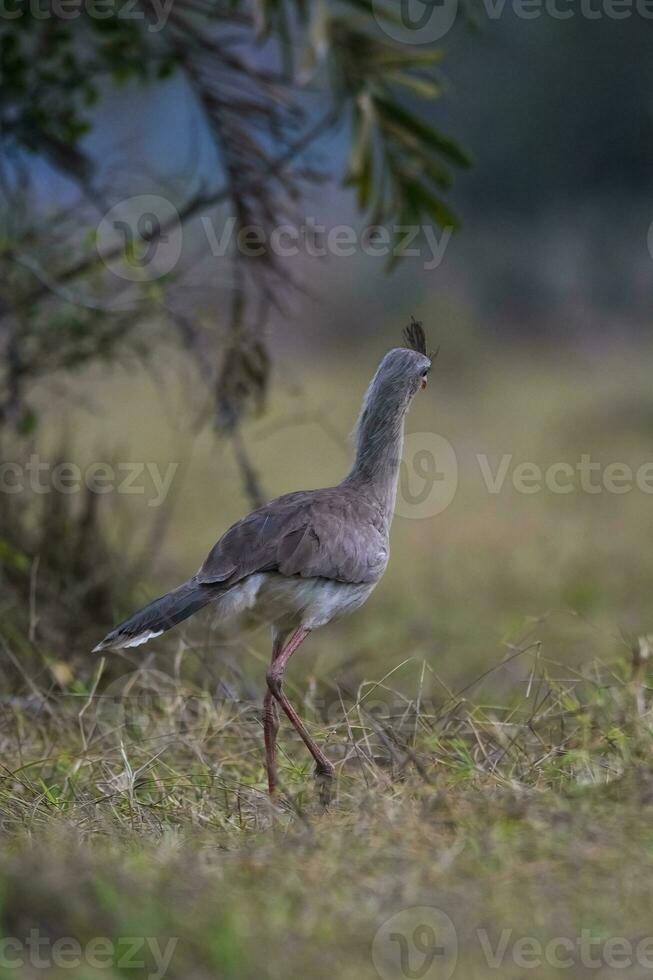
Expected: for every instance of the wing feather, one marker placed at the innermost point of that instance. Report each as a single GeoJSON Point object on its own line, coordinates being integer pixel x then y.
{"type": "Point", "coordinates": [317, 534]}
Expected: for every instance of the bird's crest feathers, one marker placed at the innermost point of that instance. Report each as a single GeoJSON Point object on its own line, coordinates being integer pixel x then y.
{"type": "Point", "coordinates": [416, 338]}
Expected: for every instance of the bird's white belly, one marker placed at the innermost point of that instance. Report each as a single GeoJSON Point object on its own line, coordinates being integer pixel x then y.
{"type": "Point", "coordinates": [292, 601]}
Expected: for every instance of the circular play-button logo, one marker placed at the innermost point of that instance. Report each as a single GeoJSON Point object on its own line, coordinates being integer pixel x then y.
{"type": "Point", "coordinates": [416, 21]}
{"type": "Point", "coordinates": [418, 943]}
{"type": "Point", "coordinates": [428, 476]}
{"type": "Point", "coordinates": [140, 238]}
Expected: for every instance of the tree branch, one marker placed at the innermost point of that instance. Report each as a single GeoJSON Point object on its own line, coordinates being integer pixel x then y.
{"type": "Point", "coordinates": [193, 207]}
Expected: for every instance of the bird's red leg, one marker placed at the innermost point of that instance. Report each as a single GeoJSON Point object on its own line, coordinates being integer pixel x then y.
{"type": "Point", "coordinates": [271, 726]}
{"type": "Point", "coordinates": [323, 767]}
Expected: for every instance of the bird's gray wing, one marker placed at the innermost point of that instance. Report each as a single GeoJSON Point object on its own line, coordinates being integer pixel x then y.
{"type": "Point", "coordinates": [316, 534]}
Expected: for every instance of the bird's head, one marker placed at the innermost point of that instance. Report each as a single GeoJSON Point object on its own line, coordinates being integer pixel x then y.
{"type": "Point", "coordinates": [400, 375]}
{"type": "Point", "coordinates": [405, 369]}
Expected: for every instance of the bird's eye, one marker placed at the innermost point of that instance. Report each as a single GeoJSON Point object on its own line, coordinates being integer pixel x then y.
{"type": "Point", "coordinates": [425, 372]}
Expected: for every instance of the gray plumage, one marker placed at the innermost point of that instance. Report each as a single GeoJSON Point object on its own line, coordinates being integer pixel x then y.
{"type": "Point", "coordinates": [307, 557]}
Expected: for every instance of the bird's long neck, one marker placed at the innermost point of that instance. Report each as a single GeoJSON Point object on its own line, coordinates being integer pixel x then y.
{"type": "Point", "coordinates": [379, 444]}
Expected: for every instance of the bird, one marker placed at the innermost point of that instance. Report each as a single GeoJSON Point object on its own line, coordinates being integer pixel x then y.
{"type": "Point", "coordinates": [305, 558]}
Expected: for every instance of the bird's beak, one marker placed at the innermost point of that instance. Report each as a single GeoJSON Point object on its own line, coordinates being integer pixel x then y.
{"type": "Point", "coordinates": [425, 381]}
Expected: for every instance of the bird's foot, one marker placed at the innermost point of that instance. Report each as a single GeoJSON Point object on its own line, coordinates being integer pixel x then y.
{"type": "Point", "coordinates": [324, 782]}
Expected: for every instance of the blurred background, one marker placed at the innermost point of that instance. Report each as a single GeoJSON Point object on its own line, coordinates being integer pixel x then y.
{"type": "Point", "coordinates": [508, 158]}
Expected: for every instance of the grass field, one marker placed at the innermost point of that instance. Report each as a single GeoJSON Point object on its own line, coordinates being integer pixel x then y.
{"type": "Point", "coordinates": [488, 721]}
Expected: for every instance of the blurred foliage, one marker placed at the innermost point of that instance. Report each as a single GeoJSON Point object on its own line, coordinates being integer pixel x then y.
{"type": "Point", "coordinates": [53, 70]}
{"type": "Point", "coordinates": [58, 575]}
{"type": "Point", "coordinates": [260, 74]}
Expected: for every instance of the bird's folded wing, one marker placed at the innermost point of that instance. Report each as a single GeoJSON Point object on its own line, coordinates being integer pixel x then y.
{"type": "Point", "coordinates": [315, 535]}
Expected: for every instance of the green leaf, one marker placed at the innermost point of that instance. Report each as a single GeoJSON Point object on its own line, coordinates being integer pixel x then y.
{"type": "Point", "coordinates": [425, 88]}
{"type": "Point", "coordinates": [417, 129]}
{"type": "Point", "coordinates": [12, 558]}
{"type": "Point", "coordinates": [27, 422]}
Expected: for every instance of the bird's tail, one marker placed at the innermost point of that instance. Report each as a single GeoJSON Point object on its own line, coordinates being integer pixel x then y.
{"type": "Point", "coordinates": [159, 616]}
